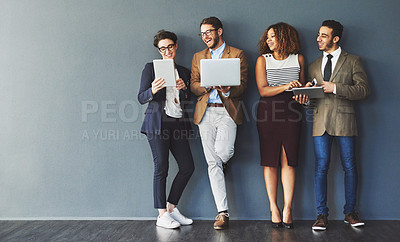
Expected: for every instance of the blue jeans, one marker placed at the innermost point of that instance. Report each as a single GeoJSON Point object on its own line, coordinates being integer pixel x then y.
{"type": "Point", "coordinates": [322, 149]}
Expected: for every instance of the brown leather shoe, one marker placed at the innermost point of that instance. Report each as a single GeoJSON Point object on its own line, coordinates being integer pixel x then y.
{"type": "Point", "coordinates": [221, 221]}
{"type": "Point", "coordinates": [320, 223]}
{"type": "Point", "coordinates": [353, 219]}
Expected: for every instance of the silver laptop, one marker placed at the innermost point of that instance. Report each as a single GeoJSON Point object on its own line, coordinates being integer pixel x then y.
{"type": "Point", "coordinates": [216, 72]}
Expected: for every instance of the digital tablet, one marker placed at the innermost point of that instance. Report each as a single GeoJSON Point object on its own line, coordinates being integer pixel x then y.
{"type": "Point", "coordinates": [311, 92]}
{"type": "Point", "coordinates": [166, 70]}
{"type": "Point", "coordinates": [220, 72]}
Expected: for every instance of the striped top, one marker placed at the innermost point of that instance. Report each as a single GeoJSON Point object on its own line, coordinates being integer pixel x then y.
{"type": "Point", "coordinates": [281, 72]}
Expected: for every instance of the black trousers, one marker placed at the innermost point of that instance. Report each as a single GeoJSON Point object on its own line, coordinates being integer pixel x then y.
{"type": "Point", "coordinates": [174, 138]}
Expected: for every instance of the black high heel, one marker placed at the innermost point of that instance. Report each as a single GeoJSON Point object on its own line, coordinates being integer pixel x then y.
{"type": "Point", "coordinates": [275, 225]}
{"type": "Point", "coordinates": [288, 225]}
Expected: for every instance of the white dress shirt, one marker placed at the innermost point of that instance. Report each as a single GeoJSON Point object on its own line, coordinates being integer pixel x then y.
{"type": "Point", "coordinates": [334, 60]}
{"type": "Point", "coordinates": [172, 103]}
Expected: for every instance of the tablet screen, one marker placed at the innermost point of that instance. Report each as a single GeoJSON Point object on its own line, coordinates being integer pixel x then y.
{"type": "Point", "coordinates": [311, 92]}
{"type": "Point", "coordinates": [166, 70]}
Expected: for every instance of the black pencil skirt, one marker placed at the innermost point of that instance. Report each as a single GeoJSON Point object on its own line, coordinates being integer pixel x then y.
{"type": "Point", "coordinates": [279, 124]}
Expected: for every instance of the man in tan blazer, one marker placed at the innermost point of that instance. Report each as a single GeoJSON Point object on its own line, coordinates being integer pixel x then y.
{"type": "Point", "coordinates": [218, 112]}
{"type": "Point", "coordinates": [344, 80]}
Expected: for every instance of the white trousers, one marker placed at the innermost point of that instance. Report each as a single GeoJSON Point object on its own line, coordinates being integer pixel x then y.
{"type": "Point", "coordinates": [218, 134]}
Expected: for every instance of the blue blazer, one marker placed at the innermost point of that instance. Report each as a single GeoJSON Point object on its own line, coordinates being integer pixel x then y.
{"type": "Point", "coordinates": [155, 109]}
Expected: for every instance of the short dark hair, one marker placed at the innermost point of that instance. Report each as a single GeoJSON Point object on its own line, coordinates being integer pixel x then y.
{"type": "Point", "coordinates": [214, 21]}
{"type": "Point", "coordinates": [336, 26]}
{"type": "Point", "coordinates": [163, 34]}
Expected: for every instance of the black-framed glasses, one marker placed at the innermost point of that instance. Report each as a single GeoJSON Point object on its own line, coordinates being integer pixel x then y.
{"type": "Point", "coordinates": [206, 33]}
{"type": "Point", "coordinates": [170, 47]}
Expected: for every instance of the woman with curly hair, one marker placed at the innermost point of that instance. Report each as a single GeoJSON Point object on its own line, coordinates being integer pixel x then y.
{"type": "Point", "coordinates": [279, 68]}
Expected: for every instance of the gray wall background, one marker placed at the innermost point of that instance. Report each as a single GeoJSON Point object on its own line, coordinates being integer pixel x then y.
{"type": "Point", "coordinates": [69, 126]}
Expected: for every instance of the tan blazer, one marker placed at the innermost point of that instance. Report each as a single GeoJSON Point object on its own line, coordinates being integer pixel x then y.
{"type": "Point", "coordinates": [231, 103]}
{"type": "Point", "coordinates": [335, 112]}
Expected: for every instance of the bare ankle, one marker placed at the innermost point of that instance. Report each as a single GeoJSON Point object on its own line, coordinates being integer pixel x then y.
{"type": "Point", "coordinates": [161, 212]}
{"type": "Point", "coordinates": [170, 207]}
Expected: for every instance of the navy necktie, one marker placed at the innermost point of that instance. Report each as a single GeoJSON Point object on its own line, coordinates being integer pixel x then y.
{"type": "Point", "coordinates": [328, 68]}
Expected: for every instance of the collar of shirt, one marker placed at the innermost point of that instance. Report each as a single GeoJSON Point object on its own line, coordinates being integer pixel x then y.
{"type": "Point", "coordinates": [335, 53]}
{"type": "Point", "coordinates": [216, 54]}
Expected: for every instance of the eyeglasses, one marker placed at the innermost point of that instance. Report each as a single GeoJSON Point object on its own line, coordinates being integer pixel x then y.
{"type": "Point", "coordinates": [170, 47]}
{"type": "Point", "coordinates": [207, 33]}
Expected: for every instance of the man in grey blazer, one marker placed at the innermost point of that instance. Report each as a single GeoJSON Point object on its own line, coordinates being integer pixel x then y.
{"type": "Point", "coordinates": [344, 80]}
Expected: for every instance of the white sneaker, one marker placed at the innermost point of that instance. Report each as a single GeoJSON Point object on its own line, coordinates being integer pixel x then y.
{"type": "Point", "coordinates": [180, 218]}
{"type": "Point", "coordinates": [166, 221]}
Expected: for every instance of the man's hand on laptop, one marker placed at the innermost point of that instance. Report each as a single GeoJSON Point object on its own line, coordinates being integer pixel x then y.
{"type": "Point", "coordinates": [223, 89]}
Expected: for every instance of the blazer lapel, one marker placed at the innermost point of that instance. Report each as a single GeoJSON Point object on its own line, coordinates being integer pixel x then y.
{"type": "Point", "coordinates": [318, 72]}
{"type": "Point", "coordinates": [207, 54]}
{"type": "Point", "coordinates": [227, 52]}
{"type": "Point", "coordinates": [339, 64]}
{"type": "Point", "coordinates": [180, 72]}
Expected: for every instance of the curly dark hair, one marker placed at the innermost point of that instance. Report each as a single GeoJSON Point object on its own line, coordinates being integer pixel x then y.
{"type": "Point", "coordinates": [337, 28]}
{"type": "Point", "coordinates": [288, 40]}
{"type": "Point", "coordinates": [163, 34]}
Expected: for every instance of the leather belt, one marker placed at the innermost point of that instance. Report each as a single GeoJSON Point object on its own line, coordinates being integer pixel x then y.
{"type": "Point", "coordinates": [219, 105]}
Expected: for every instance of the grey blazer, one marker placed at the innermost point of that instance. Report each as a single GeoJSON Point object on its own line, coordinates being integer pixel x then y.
{"type": "Point", "coordinates": [335, 112]}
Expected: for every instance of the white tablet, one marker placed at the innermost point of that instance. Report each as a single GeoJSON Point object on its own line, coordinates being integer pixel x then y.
{"type": "Point", "coordinates": [166, 70]}
{"type": "Point", "coordinates": [216, 72]}
{"type": "Point", "coordinates": [311, 92]}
